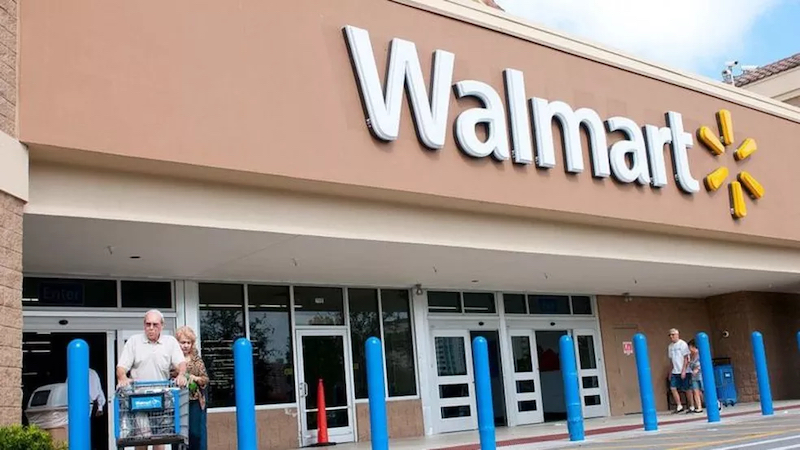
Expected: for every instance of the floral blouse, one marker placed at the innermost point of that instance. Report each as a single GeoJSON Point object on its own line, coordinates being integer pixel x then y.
{"type": "Point", "coordinates": [196, 368]}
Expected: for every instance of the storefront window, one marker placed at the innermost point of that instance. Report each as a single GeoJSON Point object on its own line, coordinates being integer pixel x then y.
{"type": "Point", "coordinates": [146, 294]}
{"type": "Point", "coordinates": [398, 343]}
{"type": "Point", "coordinates": [479, 303]}
{"type": "Point", "coordinates": [514, 303]}
{"type": "Point", "coordinates": [318, 306]}
{"type": "Point", "coordinates": [538, 304]}
{"type": "Point", "coordinates": [444, 302]}
{"type": "Point", "coordinates": [582, 305]}
{"type": "Point", "coordinates": [270, 333]}
{"type": "Point", "coordinates": [397, 338]}
{"type": "Point", "coordinates": [364, 323]}
{"type": "Point", "coordinates": [66, 292]}
{"type": "Point", "coordinates": [221, 323]}
{"type": "Point", "coordinates": [548, 304]}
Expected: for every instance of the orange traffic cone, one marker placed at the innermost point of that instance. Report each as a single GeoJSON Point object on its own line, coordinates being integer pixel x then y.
{"type": "Point", "coordinates": [322, 418]}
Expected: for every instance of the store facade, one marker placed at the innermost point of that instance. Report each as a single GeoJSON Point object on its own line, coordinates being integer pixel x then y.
{"type": "Point", "coordinates": [392, 168]}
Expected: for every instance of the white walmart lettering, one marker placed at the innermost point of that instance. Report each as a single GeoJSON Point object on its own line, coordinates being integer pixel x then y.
{"type": "Point", "coordinates": [639, 157]}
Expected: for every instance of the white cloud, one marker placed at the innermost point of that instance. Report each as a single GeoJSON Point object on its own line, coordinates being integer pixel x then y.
{"type": "Point", "coordinates": [687, 34]}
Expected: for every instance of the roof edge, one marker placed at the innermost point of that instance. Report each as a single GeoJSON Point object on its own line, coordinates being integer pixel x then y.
{"type": "Point", "coordinates": [477, 13]}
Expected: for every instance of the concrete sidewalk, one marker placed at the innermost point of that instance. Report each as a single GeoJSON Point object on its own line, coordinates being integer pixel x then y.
{"type": "Point", "coordinates": [557, 431]}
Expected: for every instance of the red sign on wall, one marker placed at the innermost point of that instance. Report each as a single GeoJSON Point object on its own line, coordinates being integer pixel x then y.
{"type": "Point", "coordinates": [627, 348]}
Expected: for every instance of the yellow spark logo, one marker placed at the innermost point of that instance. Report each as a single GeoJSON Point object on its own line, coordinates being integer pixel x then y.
{"type": "Point", "coordinates": [716, 145]}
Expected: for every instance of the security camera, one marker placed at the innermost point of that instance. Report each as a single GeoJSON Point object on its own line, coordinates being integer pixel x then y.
{"type": "Point", "coordinates": [732, 63]}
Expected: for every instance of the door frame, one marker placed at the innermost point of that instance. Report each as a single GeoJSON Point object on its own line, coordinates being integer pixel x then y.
{"type": "Point", "coordinates": [47, 321]}
{"type": "Point", "coordinates": [349, 434]}
{"type": "Point", "coordinates": [524, 418]}
{"type": "Point", "coordinates": [455, 424]}
{"type": "Point", "coordinates": [599, 372]}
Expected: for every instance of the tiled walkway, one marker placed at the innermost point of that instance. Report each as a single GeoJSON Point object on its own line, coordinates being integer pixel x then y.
{"type": "Point", "coordinates": [555, 431]}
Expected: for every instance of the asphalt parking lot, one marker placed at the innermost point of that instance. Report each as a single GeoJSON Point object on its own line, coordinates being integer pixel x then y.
{"type": "Point", "coordinates": [778, 432]}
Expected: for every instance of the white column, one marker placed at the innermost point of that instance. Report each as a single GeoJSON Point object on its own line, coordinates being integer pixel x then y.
{"type": "Point", "coordinates": [425, 360]}
{"type": "Point", "coordinates": [191, 307]}
{"type": "Point", "coordinates": [507, 358]}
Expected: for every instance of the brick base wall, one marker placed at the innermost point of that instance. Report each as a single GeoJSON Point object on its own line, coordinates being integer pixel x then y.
{"type": "Point", "coordinates": [776, 316]}
{"type": "Point", "coordinates": [404, 417]}
{"type": "Point", "coordinates": [653, 317]}
{"type": "Point", "coordinates": [277, 430]}
{"type": "Point", "coordinates": [10, 309]}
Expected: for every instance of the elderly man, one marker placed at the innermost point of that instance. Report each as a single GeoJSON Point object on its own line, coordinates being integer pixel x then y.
{"type": "Point", "coordinates": [149, 356]}
{"type": "Point", "coordinates": [680, 378]}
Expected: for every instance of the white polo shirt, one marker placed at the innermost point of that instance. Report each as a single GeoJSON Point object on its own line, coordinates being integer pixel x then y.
{"type": "Point", "coordinates": [150, 361]}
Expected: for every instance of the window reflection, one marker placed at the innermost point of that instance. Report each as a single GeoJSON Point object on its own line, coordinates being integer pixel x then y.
{"type": "Point", "coordinates": [270, 332]}
{"type": "Point", "coordinates": [221, 323]}
{"type": "Point", "coordinates": [399, 342]}
{"type": "Point", "coordinates": [318, 306]}
{"type": "Point", "coordinates": [363, 325]}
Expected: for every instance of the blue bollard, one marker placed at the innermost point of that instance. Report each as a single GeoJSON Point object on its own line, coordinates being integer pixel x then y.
{"type": "Point", "coordinates": [78, 395]}
{"type": "Point", "coordinates": [645, 383]}
{"type": "Point", "coordinates": [762, 373]}
{"type": "Point", "coordinates": [709, 382]}
{"type": "Point", "coordinates": [244, 387]}
{"type": "Point", "coordinates": [376, 389]}
{"type": "Point", "coordinates": [483, 391]}
{"type": "Point", "coordinates": [572, 395]}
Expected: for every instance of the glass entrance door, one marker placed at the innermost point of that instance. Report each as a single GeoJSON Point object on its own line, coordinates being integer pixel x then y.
{"type": "Point", "coordinates": [526, 390]}
{"type": "Point", "coordinates": [589, 373]}
{"type": "Point", "coordinates": [455, 382]}
{"type": "Point", "coordinates": [323, 360]}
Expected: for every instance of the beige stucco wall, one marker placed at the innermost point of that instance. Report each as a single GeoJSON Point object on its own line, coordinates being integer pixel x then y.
{"type": "Point", "coordinates": [285, 106]}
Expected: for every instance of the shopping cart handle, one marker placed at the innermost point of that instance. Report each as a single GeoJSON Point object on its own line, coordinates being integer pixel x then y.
{"type": "Point", "coordinates": [153, 383]}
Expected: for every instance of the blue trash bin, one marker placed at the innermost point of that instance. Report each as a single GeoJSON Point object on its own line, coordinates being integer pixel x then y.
{"type": "Point", "coordinates": [723, 377]}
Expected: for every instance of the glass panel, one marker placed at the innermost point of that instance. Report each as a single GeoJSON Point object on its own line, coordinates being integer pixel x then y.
{"type": "Point", "coordinates": [318, 306]}
{"type": "Point", "coordinates": [363, 325]}
{"type": "Point", "coordinates": [450, 357]}
{"type": "Point", "coordinates": [591, 400]}
{"type": "Point", "coordinates": [527, 405]}
{"type": "Point", "coordinates": [444, 302]}
{"type": "Point", "coordinates": [548, 304]}
{"type": "Point", "coordinates": [479, 303]}
{"type": "Point", "coordinates": [337, 418]}
{"type": "Point", "coordinates": [590, 382]}
{"type": "Point", "coordinates": [398, 343]}
{"type": "Point", "coordinates": [323, 359]}
{"type": "Point", "coordinates": [64, 292]}
{"type": "Point", "coordinates": [514, 303]}
{"type": "Point", "coordinates": [453, 390]}
{"type": "Point", "coordinates": [221, 322]}
{"type": "Point", "coordinates": [451, 412]}
{"type": "Point", "coordinates": [582, 305]}
{"type": "Point", "coordinates": [270, 332]}
{"type": "Point", "coordinates": [146, 294]}
{"type": "Point", "coordinates": [586, 352]}
{"type": "Point", "coordinates": [523, 360]}
{"type": "Point", "coordinates": [526, 386]}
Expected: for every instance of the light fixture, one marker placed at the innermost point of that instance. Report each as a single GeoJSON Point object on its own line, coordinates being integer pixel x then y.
{"type": "Point", "coordinates": [418, 289]}
{"type": "Point", "coordinates": [627, 297]}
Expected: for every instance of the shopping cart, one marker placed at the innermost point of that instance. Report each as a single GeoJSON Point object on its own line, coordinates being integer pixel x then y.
{"type": "Point", "coordinates": [151, 413]}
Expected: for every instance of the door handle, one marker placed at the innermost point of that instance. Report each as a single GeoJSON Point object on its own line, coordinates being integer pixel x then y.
{"type": "Point", "coordinates": [304, 389]}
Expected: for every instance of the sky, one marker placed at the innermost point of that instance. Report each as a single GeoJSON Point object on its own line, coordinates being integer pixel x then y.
{"type": "Point", "coordinates": [697, 36]}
